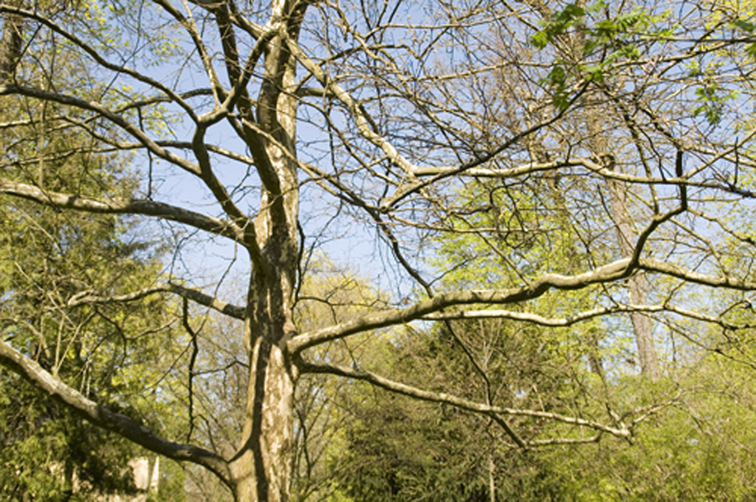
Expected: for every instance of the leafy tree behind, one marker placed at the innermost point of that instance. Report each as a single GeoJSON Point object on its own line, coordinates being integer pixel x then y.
{"type": "Point", "coordinates": [48, 260]}
{"type": "Point", "coordinates": [617, 149]}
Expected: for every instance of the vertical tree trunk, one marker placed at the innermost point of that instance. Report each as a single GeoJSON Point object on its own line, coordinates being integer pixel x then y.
{"type": "Point", "coordinates": [11, 44]}
{"type": "Point", "coordinates": [598, 140]}
{"type": "Point", "coordinates": [644, 337]}
{"type": "Point", "coordinates": [491, 478]}
{"type": "Point", "coordinates": [262, 466]}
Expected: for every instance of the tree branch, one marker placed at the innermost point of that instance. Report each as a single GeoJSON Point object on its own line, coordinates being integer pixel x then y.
{"type": "Point", "coordinates": [115, 422]}
{"type": "Point", "coordinates": [197, 296]}
{"type": "Point", "coordinates": [541, 320]}
{"type": "Point", "coordinates": [465, 404]}
{"type": "Point", "coordinates": [123, 206]}
{"type": "Point", "coordinates": [89, 50]}
{"type": "Point", "coordinates": [110, 115]}
{"type": "Point", "coordinates": [694, 277]}
{"type": "Point", "coordinates": [607, 273]}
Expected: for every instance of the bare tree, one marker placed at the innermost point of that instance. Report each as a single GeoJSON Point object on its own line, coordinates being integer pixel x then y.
{"type": "Point", "coordinates": [381, 113]}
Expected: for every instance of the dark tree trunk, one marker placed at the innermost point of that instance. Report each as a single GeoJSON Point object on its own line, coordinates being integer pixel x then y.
{"type": "Point", "coordinates": [11, 44]}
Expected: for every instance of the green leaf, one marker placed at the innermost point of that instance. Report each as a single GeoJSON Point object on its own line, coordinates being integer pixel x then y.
{"type": "Point", "coordinates": [595, 72]}
{"type": "Point", "coordinates": [589, 47]}
{"type": "Point", "coordinates": [627, 21]}
{"type": "Point", "coordinates": [605, 28]}
{"type": "Point", "coordinates": [561, 99]}
{"type": "Point", "coordinates": [751, 50]}
{"type": "Point", "coordinates": [694, 67]}
{"type": "Point", "coordinates": [629, 51]}
{"type": "Point", "coordinates": [596, 7]}
{"type": "Point", "coordinates": [540, 40]}
{"type": "Point", "coordinates": [743, 25]}
{"type": "Point", "coordinates": [557, 75]}
{"type": "Point", "coordinates": [562, 20]}
{"type": "Point", "coordinates": [570, 13]}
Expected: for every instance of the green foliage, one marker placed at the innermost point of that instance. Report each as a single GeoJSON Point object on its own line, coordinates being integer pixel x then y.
{"type": "Point", "coordinates": [399, 449]}
{"type": "Point", "coordinates": [696, 447]}
{"type": "Point", "coordinates": [104, 351]}
{"type": "Point", "coordinates": [601, 44]}
{"type": "Point", "coordinates": [557, 80]}
{"type": "Point", "coordinates": [712, 102]}
{"type": "Point", "coordinates": [172, 483]}
{"type": "Point", "coordinates": [46, 449]}
{"type": "Point", "coordinates": [571, 16]}
{"type": "Point", "coordinates": [699, 449]}
{"type": "Point", "coordinates": [47, 257]}
{"type": "Point", "coordinates": [748, 27]}
{"type": "Point", "coordinates": [322, 421]}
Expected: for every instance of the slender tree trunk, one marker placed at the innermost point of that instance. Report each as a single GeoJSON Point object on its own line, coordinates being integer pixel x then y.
{"type": "Point", "coordinates": [642, 328]}
{"type": "Point", "coordinates": [491, 478]}
{"type": "Point", "coordinates": [644, 337]}
{"type": "Point", "coordinates": [11, 44]}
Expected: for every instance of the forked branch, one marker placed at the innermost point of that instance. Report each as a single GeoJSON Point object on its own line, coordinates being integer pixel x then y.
{"type": "Point", "coordinates": [465, 404]}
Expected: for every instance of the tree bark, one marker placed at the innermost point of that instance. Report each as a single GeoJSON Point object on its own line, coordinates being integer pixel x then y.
{"type": "Point", "coordinates": [11, 44]}
{"type": "Point", "coordinates": [644, 337]}
{"type": "Point", "coordinates": [599, 144]}
{"type": "Point", "coordinates": [262, 467]}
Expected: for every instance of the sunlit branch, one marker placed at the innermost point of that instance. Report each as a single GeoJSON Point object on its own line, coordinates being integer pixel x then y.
{"type": "Point", "coordinates": [102, 417]}
{"type": "Point", "coordinates": [555, 322]}
{"type": "Point", "coordinates": [465, 404]}
{"type": "Point", "coordinates": [489, 172]}
{"type": "Point", "coordinates": [648, 411]}
{"type": "Point", "coordinates": [540, 320]}
{"type": "Point", "coordinates": [212, 182]}
{"type": "Point", "coordinates": [122, 206]}
{"type": "Point", "coordinates": [534, 443]}
{"type": "Point", "coordinates": [479, 160]}
{"type": "Point", "coordinates": [657, 266]}
{"type": "Point", "coordinates": [607, 273]}
{"type": "Point", "coordinates": [197, 296]}
{"type": "Point", "coordinates": [659, 219]}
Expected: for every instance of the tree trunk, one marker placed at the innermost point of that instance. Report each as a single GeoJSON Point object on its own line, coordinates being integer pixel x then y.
{"type": "Point", "coordinates": [11, 44]}
{"type": "Point", "coordinates": [491, 478]}
{"type": "Point", "coordinates": [644, 337]}
{"type": "Point", "coordinates": [262, 467]}
{"type": "Point", "coordinates": [598, 141]}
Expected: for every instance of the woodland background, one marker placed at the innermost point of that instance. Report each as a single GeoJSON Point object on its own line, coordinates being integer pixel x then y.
{"type": "Point", "coordinates": [316, 250]}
